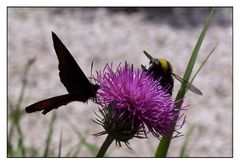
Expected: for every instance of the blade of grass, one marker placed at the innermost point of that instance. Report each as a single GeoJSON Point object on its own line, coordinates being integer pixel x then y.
{"type": "Point", "coordinates": [10, 105]}
{"type": "Point", "coordinates": [60, 144]}
{"type": "Point", "coordinates": [15, 115]}
{"type": "Point", "coordinates": [49, 135]}
{"type": "Point", "coordinates": [24, 82]}
{"type": "Point", "coordinates": [194, 55]}
{"type": "Point", "coordinates": [74, 151]}
{"type": "Point", "coordinates": [20, 148]}
{"type": "Point", "coordinates": [10, 150]}
{"type": "Point", "coordinates": [186, 140]}
{"type": "Point", "coordinates": [32, 152]}
{"type": "Point", "coordinates": [92, 148]}
{"type": "Point", "coordinates": [203, 63]}
{"type": "Point", "coordinates": [21, 140]}
{"type": "Point", "coordinates": [164, 144]}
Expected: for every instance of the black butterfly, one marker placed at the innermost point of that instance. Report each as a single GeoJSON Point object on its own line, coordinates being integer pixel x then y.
{"type": "Point", "coordinates": [78, 86]}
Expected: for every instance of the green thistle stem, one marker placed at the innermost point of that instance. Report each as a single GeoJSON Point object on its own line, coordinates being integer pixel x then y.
{"type": "Point", "coordinates": [108, 141]}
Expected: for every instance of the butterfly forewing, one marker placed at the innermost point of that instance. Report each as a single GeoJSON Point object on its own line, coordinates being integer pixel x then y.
{"type": "Point", "coordinates": [70, 73]}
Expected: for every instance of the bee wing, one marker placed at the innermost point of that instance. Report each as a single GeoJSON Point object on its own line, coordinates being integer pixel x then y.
{"type": "Point", "coordinates": [70, 73]}
{"type": "Point", "coordinates": [188, 85]}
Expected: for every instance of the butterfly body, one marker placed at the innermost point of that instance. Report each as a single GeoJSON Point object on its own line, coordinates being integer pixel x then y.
{"type": "Point", "coordinates": [77, 84]}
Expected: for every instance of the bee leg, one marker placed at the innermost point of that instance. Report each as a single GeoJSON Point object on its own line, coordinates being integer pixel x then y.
{"type": "Point", "coordinates": [144, 68]}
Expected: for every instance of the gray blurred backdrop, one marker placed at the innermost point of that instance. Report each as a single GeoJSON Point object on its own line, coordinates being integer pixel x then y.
{"type": "Point", "coordinates": [103, 35]}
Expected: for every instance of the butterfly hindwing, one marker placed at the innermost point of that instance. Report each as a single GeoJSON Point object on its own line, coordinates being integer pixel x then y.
{"type": "Point", "coordinates": [54, 102]}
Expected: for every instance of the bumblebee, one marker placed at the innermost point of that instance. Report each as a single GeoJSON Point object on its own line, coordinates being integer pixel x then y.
{"type": "Point", "coordinates": [162, 70]}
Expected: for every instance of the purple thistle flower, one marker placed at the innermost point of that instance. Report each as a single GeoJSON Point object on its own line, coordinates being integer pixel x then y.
{"type": "Point", "coordinates": [135, 97]}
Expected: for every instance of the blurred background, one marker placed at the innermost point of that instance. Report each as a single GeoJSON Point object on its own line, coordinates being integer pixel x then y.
{"type": "Point", "coordinates": [105, 35]}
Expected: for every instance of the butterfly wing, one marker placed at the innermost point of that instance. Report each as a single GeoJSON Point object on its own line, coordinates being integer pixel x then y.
{"type": "Point", "coordinates": [54, 102]}
{"type": "Point", "coordinates": [70, 73]}
{"type": "Point", "coordinates": [72, 77]}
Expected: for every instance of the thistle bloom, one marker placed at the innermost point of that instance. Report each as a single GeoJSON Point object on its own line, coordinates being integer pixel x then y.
{"type": "Point", "coordinates": [133, 103]}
